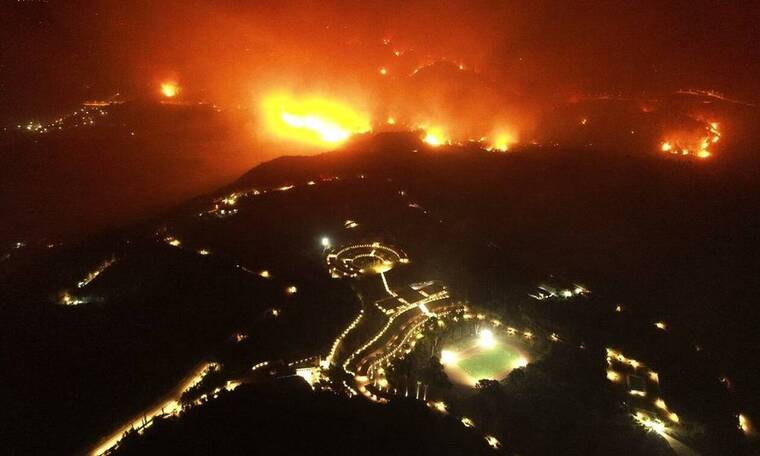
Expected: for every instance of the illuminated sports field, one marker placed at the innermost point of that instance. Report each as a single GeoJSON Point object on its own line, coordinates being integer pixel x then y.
{"type": "Point", "coordinates": [483, 357]}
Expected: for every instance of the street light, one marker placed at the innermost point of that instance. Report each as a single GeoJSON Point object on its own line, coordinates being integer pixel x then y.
{"type": "Point", "coordinates": [325, 242]}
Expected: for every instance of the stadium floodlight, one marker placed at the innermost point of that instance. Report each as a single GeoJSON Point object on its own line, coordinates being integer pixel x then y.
{"type": "Point", "coordinates": [521, 362]}
{"type": "Point", "coordinates": [486, 338]}
{"type": "Point", "coordinates": [449, 357]}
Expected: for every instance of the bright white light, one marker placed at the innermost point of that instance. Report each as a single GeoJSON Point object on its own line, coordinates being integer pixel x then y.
{"type": "Point", "coordinates": [439, 406]}
{"type": "Point", "coordinates": [486, 339]}
{"type": "Point", "coordinates": [653, 425]}
{"type": "Point", "coordinates": [521, 362]}
{"type": "Point", "coordinates": [493, 442]}
{"type": "Point", "coordinates": [745, 424]}
{"type": "Point", "coordinates": [449, 357]}
{"type": "Point", "coordinates": [325, 241]}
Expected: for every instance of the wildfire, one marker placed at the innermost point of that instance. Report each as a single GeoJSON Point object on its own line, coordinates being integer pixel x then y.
{"type": "Point", "coordinates": [169, 89]}
{"type": "Point", "coordinates": [312, 120]}
{"type": "Point", "coordinates": [435, 136]}
{"type": "Point", "coordinates": [693, 145]}
{"type": "Point", "coordinates": [501, 140]}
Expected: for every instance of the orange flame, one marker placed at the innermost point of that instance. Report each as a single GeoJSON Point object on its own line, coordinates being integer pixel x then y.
{"type": "Point", "coordinates": [312, 120]}
{"type": "Point", "coordinates": [501, 140]}
{"type": "Point", "coordinates": [693, 144]}
{"type": "Point", "coordinates": [435, 136]}
{"type": "Point", "coordinates": [169, 89]}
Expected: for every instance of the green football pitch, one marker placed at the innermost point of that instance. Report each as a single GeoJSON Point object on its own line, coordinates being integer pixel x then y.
{"type": "Point", "coordinates": [492, 363]}
{"type": "Point", "coordinates": [472, 362]}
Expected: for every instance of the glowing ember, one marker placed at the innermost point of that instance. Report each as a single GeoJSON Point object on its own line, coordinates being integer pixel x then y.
{"type": "Point", "coordinates": [169, 89]}
{"type": "Point", "coordinates": [313, 120]}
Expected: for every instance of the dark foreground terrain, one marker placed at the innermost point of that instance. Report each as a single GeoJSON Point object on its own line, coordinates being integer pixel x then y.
{"type": "Point", "coordinates": [667, 240]}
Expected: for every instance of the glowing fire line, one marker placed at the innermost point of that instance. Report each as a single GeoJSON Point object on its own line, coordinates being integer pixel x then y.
{"type": "Point", "coordinates": [312, 120]}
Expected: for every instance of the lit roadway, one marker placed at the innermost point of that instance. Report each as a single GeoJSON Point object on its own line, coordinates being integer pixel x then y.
{"type": "Point", "coordinates": [169, 404]}
{"type": "Point", "coordinates": [386, 342]}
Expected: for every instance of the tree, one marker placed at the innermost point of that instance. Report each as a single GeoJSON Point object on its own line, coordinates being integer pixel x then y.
{"type": "Point", "coordinates": [434, 375]}
{"type": "Point", "coordinates": [485, 385]}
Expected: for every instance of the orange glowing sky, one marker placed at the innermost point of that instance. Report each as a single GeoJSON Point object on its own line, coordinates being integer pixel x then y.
{"type": "Point", "coordinates": [473, 71]}
{"type": "Point", "coordinates": [514, 52]}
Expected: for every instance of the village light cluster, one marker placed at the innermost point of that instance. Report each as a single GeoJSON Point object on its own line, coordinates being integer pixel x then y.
{"type": "Point", "coordinates": [83, 117]}
{"type": "Point", "coordinates": [96, 272]}
{"type": "Point", "coordinates": [67, 299]}
{"type": "Point", "coordinates": [225, 206]}
{"type": "Point", "coordinates": [659, 404]}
